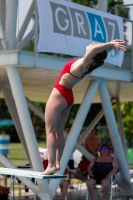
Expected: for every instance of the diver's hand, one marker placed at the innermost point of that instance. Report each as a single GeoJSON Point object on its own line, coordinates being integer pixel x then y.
{"type": "Point", "coordinates": [119, 45]}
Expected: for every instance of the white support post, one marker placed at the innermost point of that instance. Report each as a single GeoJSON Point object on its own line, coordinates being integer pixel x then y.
{"type": "Point", "coordinates": [36, 28]}
{"type": "Point", "coordinates": [121, 128]}
{"type": "Point", "coordinates": [11, 22]}
{"type": "Point", "coordinates": [2, 37]}
{"type": "Point", "coordinates": [2, 19]}
{"type": "Point", "coordinates": [3, 12]}
{"type": "Point", "coordinates": [26, 123]}
{"type": "Point", "coordinates": [78, 146]}
{"type": "Point", "coordinates": [35, 109]}
{"type": "Point", "coordinates": [13, 111]}
{"type": "Point", "coordinates": [102, 5]}
{"type": "Point", "coordinates": [75, 130]}
{"type": "Point", "coordinates": [115, 138]}
{"type": "Point", "coordinates": [91, 126]}
{"type": "Point", "coordinates": [26, 40]}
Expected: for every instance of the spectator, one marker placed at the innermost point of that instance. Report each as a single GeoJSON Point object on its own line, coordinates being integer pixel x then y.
{"type": "Point", "coordinates": [82, 173]}
{"type": "Point", "coordinates": [64, 187]}
{"type": "Point", "coordinates": [100, 170]}
{"type": "Point", "coordinates": [92, 142]}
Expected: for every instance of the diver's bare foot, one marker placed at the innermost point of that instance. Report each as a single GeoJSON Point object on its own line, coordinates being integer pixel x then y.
{"type": "Point", "coordinates": [58, 167]}
{"type": "Point", "coordinates": [50, 171]}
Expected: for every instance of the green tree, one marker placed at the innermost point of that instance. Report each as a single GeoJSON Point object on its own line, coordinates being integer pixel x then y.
{"type": "Point", "coordinates": [91, 3]}
{"type": "Point", "coordinates": [127, 115]}
{"type": "Point", "coordinates": [122, 11]}
{"type": "Point", "coordinates": [127, 118]}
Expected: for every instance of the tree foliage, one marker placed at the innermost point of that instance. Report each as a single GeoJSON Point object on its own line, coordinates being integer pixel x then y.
{"type": "Point", "coordinates": [127, 116]}
{"type": "Point", "coordinates": [127, 119]}
{"type": "Point", "coordinates": [122, 11]}
{"type": "Point", "coordinates": [91, 3]}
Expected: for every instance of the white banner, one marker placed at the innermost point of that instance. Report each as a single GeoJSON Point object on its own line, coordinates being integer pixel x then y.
{"type": "Point", "coordinates": [67, 28]}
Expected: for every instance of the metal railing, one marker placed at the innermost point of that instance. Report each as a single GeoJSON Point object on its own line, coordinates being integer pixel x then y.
{"type": "Point", "coordinates": [127, 62]}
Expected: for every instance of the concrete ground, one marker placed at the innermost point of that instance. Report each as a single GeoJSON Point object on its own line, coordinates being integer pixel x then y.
{"type": "Point", "coordinates": [78, 193]}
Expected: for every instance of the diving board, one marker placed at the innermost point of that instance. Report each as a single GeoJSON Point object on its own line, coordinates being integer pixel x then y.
{"type": "Point", "coordinates": [29, 174]}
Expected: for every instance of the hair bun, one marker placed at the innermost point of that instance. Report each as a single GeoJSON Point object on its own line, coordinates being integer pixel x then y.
{"type": "Point", "coordinates": [95, 64]}
{"type": "Point", "coordinates": [97, 61]}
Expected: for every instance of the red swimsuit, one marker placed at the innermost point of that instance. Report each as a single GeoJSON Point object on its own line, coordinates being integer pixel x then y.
{"type": "Point", "coordinates": [67, 93]}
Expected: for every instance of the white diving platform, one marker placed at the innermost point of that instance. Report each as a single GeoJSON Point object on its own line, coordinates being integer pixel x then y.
{"type": "Point", "coordinates": [30, 174]}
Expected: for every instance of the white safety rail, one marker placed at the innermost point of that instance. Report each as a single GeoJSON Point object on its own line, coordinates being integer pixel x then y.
{"type": "Point", "coordinates": [30, 174]}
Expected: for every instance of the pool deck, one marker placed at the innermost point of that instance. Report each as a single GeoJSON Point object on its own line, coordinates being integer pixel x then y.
{"type": "Point", "coordinates": [78, 193]}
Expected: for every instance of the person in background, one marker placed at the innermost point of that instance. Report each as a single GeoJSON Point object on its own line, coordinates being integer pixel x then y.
{"type": "Point", "coordinates": [64, 188]}
{"type": "Point", "coordinates": [82, 173]}
{"type": "Point", "coordinates": [100, 171]}
{"type": "Point", "coordinates": [92, 142]}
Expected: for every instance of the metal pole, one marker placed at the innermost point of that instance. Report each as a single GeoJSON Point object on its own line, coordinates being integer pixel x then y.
{"type": "Point", "coordinates": [91, 126]}
{"type": "Point", "coordinates": [2, 37]}
{"type": "Point", "coordinates": [26, 40]}
{"type": "Point", "coordinates": [11, 21]}
{"type": "Point", "coordinates": [78, 146]}
{"type": "Point", "coordinates": [115, 138]}
{"type": "Point", "coordinates": [118, 6]}
{"type": "Point", "coordinates": [26, 123]}
{"type": "Point", "coordinates": [102, 5]}
{"type": "Point", "coordinates": [2, 21]}
{"type": "Point", "coordinates": [116, 9]}
{"type": "Point", "coordinates": [35, 109]}
{"type": "Point", "coordinates": [36, 28]}
{"type": "Point", "coordinates": [2, 12]}
{"type": "Point", "coordinates": [75, 130]}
